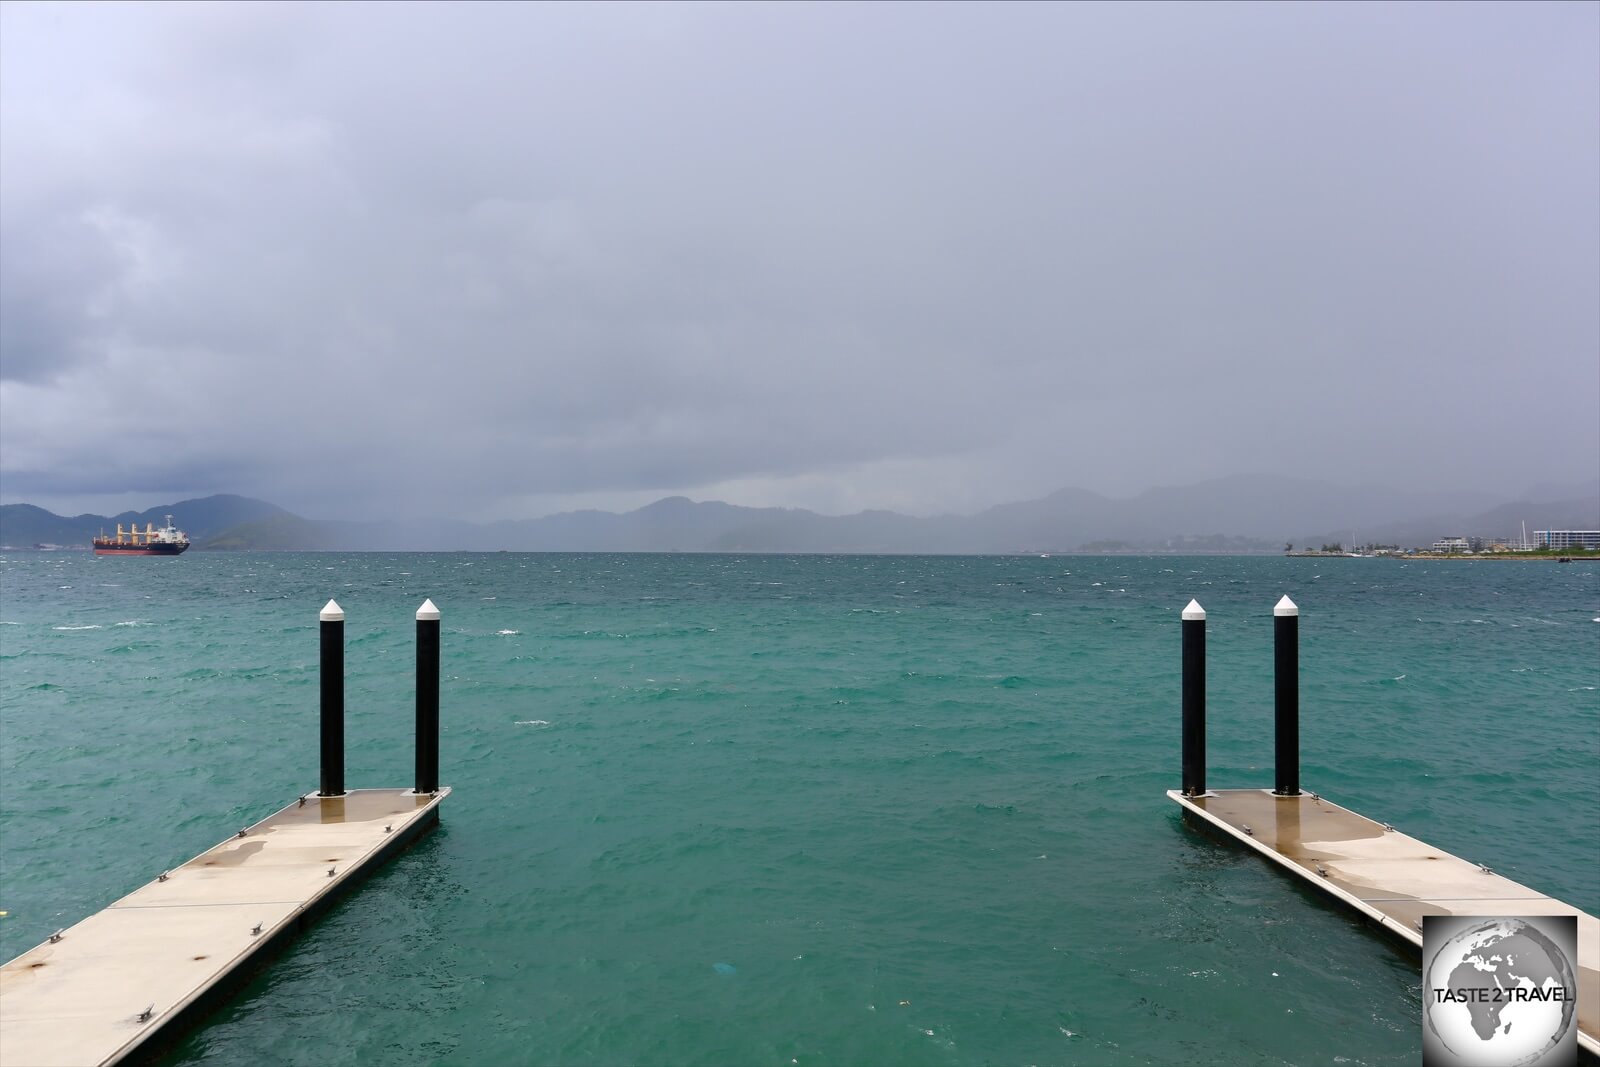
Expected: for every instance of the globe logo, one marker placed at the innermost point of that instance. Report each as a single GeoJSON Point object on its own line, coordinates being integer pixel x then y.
{"type": "Point", "coordinates": [1500, 991]}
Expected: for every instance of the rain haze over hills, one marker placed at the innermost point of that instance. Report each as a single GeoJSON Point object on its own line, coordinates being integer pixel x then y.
{"type": "Point", "coordinates": [494, 262]}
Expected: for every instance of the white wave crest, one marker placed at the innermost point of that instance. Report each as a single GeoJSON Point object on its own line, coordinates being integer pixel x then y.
{"type": "Point", "coordinates": [91, 626]}
{"type": "Point", "coordinates": [507, 633]}
{"type": "Point", "coordinates": [531, 722]}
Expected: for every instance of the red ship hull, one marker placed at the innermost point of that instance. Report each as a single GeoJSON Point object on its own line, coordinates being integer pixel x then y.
{"type": "Point", "coordinates": [140, 550]}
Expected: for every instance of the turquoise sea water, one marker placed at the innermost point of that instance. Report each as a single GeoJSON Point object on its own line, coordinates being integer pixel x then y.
{"type": "Point", "coordinates": [813, 810]}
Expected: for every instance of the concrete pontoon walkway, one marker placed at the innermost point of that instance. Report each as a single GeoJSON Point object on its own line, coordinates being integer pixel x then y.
{"type": "Point", "coordinates": [1388, 876]}
{"type": "Point", "coordinates": [177, 945]}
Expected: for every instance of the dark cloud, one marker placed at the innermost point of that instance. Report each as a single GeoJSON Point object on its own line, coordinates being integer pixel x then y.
{"type": "Point", "coordinates": [59, 279]}
{"type": "Point", "coordinates": [494, 258]}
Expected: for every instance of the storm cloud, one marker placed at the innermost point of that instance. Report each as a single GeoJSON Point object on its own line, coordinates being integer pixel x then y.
{"type": "Point", "coordinates": [498, 260]}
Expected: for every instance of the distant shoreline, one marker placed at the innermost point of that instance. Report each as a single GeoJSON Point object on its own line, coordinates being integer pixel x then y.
{"type": "Point", "coordinates": [1517, 557]}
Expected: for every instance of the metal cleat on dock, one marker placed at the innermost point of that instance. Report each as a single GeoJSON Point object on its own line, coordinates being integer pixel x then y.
{"type": "Point", "coordinates": [150, 1009]}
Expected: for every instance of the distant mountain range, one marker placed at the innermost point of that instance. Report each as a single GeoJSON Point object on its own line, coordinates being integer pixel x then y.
{"type": "Point", "coordinates": [1239, 514]}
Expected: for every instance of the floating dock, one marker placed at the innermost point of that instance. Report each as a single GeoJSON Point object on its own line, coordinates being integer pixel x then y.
{"type": "Point", "coordinates": [1389, 877]}
{"type": "Point", "coordinates": [125, 981]}
{"type": "Point", "coordinates": [130, 980]}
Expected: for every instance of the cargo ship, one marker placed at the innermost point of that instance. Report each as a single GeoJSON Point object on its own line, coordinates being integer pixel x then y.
{"type": "Point", "coordinates": [167, 541]}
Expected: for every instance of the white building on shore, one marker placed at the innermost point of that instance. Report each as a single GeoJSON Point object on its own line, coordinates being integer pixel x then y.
{"type": "Point", "coordinates": [1567, 538]}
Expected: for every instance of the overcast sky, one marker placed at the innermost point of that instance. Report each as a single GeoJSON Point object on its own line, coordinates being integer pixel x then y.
{"type": "Point", "coordinates": [371, 260]}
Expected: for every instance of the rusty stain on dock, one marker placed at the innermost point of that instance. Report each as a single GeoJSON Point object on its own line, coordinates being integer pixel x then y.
{"type": "Point", "coordinates": [181, 938]}
{"type": "Point", "coordinates": [1390, 877]}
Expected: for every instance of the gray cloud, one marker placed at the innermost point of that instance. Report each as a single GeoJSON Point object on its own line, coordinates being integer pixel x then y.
{"type": "Point", "coordinates": [491, 258]}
